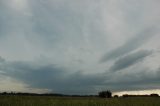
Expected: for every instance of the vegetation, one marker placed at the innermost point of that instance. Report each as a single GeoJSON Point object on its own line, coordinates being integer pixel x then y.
{"type": "Point", "coordinates": [16, 100]}
{"type": "Point", "coordinates": [105, 94]}
{"type": "Point", "coordinates": [103, 99]}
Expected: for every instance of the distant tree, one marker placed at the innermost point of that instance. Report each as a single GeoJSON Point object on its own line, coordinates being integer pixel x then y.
{"type": "Point", "coordinates": [105, 94]}
{"type": "Point", "coordinates": [4, 93]}
{"type": "Point", "coordinates": [154, 95]}
{"type": "Point", "coordinates": [125, 95]}
{"type": "Point", "coordinates": [116, 96]}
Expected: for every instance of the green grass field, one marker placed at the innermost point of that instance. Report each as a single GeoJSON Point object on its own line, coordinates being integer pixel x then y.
{"type": "Point", "coordinates": [76, 101]}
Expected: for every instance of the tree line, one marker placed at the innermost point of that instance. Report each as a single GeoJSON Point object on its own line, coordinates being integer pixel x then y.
{"type": "Point", "coordinates": [101, 94]}
{"type": "Point", "coordinates": [44, 94]}
{"type": "Point", "coordinates": [108, 94]}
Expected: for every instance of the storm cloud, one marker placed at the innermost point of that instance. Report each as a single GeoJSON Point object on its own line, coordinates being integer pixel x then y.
{"type": "Point", "coordinates": [79, 47]}
{"type": "Point", "coordinates": [52, 77]}
{"type": "Point", "coordinates": [58, 79]}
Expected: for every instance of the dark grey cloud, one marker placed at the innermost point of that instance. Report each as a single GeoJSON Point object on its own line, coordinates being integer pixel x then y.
{"type": "Point", "coordinates": [129, 60]}
{"type": "Point", "coordinates": [60, 80]}
{"type": "Point", "coordinates": [50, 76]}
{"type": "Point", "coordinates": [143, 79]}
{"type": "Point", "coordinates": [130, 45]}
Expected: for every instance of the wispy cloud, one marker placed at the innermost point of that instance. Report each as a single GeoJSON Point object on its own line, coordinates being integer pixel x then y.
{"type": "Point", "coordinates": [130, 60]}
{"type": "Point", "coordinates": [132, 44]}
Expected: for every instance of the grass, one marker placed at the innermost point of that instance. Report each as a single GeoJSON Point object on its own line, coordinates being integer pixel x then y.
{"type": "Point", "coordinates": [76, 101]}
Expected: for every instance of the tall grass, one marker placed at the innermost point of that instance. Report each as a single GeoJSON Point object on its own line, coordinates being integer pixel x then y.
{"type": "Point", "coordinates": [76, 101]}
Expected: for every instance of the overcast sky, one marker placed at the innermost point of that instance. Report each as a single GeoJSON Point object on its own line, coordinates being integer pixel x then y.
{"type": "Point", "coordinates": [79, 46]}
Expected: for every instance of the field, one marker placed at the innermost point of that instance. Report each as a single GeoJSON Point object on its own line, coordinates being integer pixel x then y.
{"type": "Point", "coordinates": [76, 101]}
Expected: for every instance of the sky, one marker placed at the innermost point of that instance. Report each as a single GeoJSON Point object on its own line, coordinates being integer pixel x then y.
{"type": "Point", "coordinates": [79, 46]}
